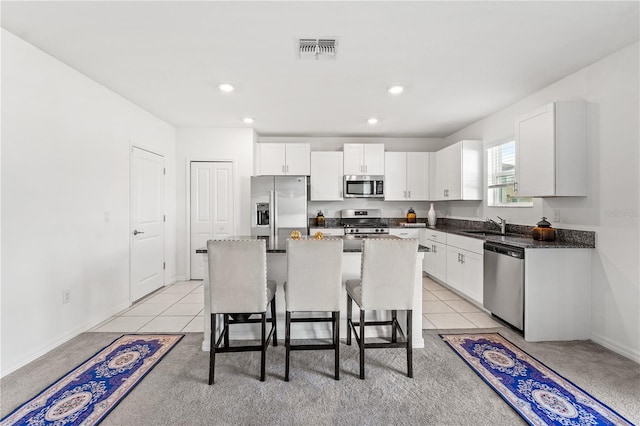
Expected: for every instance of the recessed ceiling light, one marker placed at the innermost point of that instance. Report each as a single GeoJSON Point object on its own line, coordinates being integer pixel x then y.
{"type": "Point", "coordinates": [395, 90]}
{"type": "Point", "coordinates": [248, 120]}
{"type": "Point", "coordinates": [372, 121]}
{"type": "Point", "coordinates": [226, 87]}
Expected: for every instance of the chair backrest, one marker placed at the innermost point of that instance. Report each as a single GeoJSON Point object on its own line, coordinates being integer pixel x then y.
{"type": "Point", "coordinates": [388, 273]}
{"type": "Point", "coordinates": [314, 275]}
{"type": "Point", "coordinates": [237, 275]}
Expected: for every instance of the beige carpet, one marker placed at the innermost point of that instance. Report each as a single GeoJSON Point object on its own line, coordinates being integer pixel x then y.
{"type": "Point", "coordinates": [444, 391]}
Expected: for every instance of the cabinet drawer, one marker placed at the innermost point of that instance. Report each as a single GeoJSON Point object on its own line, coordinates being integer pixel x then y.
{"type": "Point", "coordinates": [329, 232]}
{"type": "Point", "coordinates": [405, 233]}
{"type": "Point", "coordinates": [437, 236]}
{"type": "Point", "coordinates": [466, 243]}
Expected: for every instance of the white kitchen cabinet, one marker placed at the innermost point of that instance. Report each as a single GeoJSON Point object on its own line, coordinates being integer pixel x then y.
{"type": "Point", "coordinates": [363, 159]}
{"type": "Point", "coordinates": [327, 176]}
{"type": "Point", "coordinates": [435, 261]}
{"type": "Point", "coordinates": [406, 176]}
{"type": "Point", "coordinates": [276, 159]}
{"type": "Point", "coordinates": [465, 265]}
{"type": "Point", "coordinates": [551, 151]}
{"type": "Point", "coordinates": [456, 172]}
{"type": "Point", "coordinates": [405, 232]}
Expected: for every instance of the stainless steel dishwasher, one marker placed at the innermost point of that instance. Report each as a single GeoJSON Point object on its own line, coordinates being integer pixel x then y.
{"type": "Point", "coordinates": [504, 283]}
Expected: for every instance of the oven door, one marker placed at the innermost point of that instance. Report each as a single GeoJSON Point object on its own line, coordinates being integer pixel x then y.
{"type": "Point", "coordinates": [363, 187]}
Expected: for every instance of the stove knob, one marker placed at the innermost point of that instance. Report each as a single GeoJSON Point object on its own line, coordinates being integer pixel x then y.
{"type": "Point", "coordinates": [357, 230]}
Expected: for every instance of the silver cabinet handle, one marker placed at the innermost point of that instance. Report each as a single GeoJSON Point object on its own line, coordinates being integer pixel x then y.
{"type": "Point", "coordinates": [409, 192]}
{"type": "Point", "coordinates": [515, 186]}
{"type": "Point", "coordinates": [287, 166]}
{"type": "Point", "coordinates": [136, 232]}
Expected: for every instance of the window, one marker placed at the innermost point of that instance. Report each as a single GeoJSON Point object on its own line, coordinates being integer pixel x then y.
{"type": "Point", "coordinates": [501, 168]}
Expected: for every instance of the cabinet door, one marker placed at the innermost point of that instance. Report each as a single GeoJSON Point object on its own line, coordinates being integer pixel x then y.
{"type": "Point", "coordinates": [326, 176]}
{"type": "Point", "coordinates": [395, 176]}
{"type": "Point", "coordinates": [298, 159]}
{"type": "Point", "coordinates": [440, 172]}
{"type": "Point", "coordinates": [417, 175]}
{"type": "Point", "coordinates": [455, 271]}
{"type": "Point", "coordinates": [535, 151]}
{"type": "Point", "coordinates": [353, 154]}
{"type": "Point", "coordinates": [440, 261]}
{"type": "Point", "coordinates": [374, 159]}
{"type": "Point", "coordinates": [405, 232]}
{"type": "Point", "coordinates": [272, 158]}
{"type": "Point", "coordinates": [473, 275]}
{"type": "Point", "coordinates": [454, 172]}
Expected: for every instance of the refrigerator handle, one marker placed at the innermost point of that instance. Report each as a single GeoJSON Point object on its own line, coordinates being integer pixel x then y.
{"type": "Point", "coordinates": [272, 214]}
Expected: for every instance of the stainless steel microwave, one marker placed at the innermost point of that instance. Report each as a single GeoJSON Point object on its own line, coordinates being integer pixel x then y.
{"type": "Point", "coordinates": [356, 186]}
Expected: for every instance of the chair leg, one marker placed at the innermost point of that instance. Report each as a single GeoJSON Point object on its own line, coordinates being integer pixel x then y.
{"type": "Point", "coordinates": [394, 329]}
{"type": "Point", "coordinates": [263, 357]}
{"type": "Point", "coordinates": [212, 349]}
{"type": "Point", "coordinates": [336, 341]}
{"type": "Point", "coordinates": [287, 344]}
{"type": "Point", "coordinates": [273, 321]}
{"type": "Point", "coordinates": [349, 302]}
{"type": "Point", "coordinates": [226, 330]}
{"type": "Point", "coordinates": [409, 344]}
{"type": "Point", "coordinates": [362, 343]}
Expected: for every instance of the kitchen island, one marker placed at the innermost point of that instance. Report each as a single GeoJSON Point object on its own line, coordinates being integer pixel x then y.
{"type": "Point", "coordinates": [277, 270]}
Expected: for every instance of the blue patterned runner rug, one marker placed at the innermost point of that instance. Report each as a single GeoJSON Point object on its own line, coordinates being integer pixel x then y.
{"type": "Point", "coordinates": [537, 393]}
{"type": "Point", "coordinates": [87, 394]}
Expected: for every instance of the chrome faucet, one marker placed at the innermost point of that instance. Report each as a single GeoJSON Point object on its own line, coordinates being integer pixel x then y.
{"type": "Point", "coordinates": [502, 225]}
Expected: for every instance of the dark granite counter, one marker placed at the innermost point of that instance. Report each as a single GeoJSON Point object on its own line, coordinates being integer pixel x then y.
{"type": "Point", "coordinates": [564, 238]}
{"type": "Point", "coordinates": [351, 244]}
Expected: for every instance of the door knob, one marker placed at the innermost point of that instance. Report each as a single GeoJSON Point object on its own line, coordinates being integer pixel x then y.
{"type": "Point", "coordinates": [136, 232]}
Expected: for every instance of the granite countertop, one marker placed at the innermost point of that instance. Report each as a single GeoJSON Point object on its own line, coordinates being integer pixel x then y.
{"type": "Point", "coordinates": [351, 244]}
{"type": "Point", "coordinates": [564, 238]}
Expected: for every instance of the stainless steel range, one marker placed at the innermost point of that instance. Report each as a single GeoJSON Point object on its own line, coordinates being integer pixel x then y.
{"type": "Point", "coordinates": [363, 222]}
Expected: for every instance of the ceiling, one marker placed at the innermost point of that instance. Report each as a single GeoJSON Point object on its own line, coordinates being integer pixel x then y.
{"type": "Point", "coordinates": [459, 61]}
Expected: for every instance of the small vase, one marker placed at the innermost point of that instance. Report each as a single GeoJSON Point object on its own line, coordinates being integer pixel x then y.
{"type": "Point", "coordinates": [432, 217]}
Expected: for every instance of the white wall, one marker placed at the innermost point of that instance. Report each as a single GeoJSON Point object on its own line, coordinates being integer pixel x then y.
{"type": "Point", "coordinates": [207, 144]}
{"type": "Point", "coordinates": [611, 88]}
{"type": "Point", "coordinates": [66, 149]}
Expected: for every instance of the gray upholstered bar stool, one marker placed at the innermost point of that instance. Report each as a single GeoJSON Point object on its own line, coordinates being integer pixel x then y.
{"type": "Point", "coordinates": [387, 283]}
{"type": "Point", "coordinates": [314, 284]}
{"type": "Point", "coordinates": [239, 288]}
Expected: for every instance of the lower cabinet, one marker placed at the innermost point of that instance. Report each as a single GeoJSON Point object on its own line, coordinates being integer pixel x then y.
{"type": "Point", "coordinates": [456, 261]}
{"type": "Point", "coordinates": [405, 232]}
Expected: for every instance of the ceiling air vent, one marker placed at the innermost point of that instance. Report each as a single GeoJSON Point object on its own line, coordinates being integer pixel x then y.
{"type": "Point", "coordinates": [316, 48]}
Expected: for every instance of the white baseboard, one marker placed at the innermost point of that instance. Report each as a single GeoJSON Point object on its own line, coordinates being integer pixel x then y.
{"type": "Point", "coordinates": [181, 278]}
{"type": "Point", "coordinates": [170, 281]}
{"type": "Point", "coordinates": [64, 338]}
{"type": "Point", "coordinates": [616, 347]}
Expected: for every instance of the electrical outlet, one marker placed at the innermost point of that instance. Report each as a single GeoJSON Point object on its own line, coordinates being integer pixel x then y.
{"type": "Point", "coordinates": [556, 215]}
{"type": "Point", "coordinates": [66, 296]}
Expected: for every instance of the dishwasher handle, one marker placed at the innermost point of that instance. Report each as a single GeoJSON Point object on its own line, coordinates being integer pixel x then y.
{"type": "Point", "coordinates": [515, 252]}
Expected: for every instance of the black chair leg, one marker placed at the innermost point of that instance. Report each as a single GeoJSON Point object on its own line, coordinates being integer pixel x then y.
{"type": "Point", "coordinates": [212, 349]}
{"type": "Point", "coordinates": [287, 344]}
{"type": "Point", "coordinates": [226, 330]}
{"type": "Point", "coordinates": [349, 302]}
{"type": "Point", "coordinates": [361, 343]}
{"type": "Point", "coordinates": [336, 341]}
{"type": "Point", "coordinates": [263, 357]}
{"type": "Point", "coordinates": [409, 344]}
{"type": "Point", "coordinates": [394, 329]}
{"type": "Point", "coordinates": [273, 321]}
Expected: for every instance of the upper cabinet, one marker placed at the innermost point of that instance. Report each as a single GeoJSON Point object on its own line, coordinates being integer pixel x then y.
{"type": "Point", "coordinates": [283, 159]}
{"type": "Point", "coordinates": [326, 176]}
{"type": "Point", "coordinates": [456, 172]}
{"type": "Point", "coordinates": [406, 176]}
{"type": "Point", "coordinates": [551, 151]}
{"type": "Point", "coordinates": [363, 159]}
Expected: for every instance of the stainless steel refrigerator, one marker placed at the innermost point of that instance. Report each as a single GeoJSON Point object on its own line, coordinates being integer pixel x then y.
{"type": "Point", "coordinates": [278, 205]}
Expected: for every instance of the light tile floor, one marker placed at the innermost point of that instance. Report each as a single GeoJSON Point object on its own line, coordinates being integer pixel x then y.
{"type": "Point", "coordinates": [172, 309]}
{"type": "Point", "coordinates": [179, 307]}
{"type": "Point", "coordinates": [442, 308]}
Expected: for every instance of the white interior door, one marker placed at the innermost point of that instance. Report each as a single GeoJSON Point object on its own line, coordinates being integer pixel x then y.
{"type": "Point", "coordinates": [212, 214]}
{"type": "Point", "coordinates": [147, 223]}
